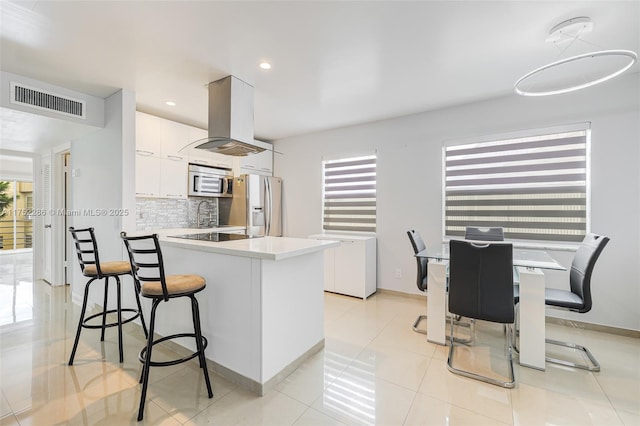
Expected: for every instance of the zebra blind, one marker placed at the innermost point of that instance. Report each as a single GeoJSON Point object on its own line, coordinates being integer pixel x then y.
{"type": "Point", "coordinates": [534, 187]}
{"type": "Point", "coordinates": [350, 194]}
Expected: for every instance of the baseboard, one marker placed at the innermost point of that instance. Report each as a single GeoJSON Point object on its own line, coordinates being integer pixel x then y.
{"type": "Point", "coordinates": [401, 294]}
{"type": "Point", "coordinates": [551, 320]}
{"type": "Point", "coordinates": [594, 327]}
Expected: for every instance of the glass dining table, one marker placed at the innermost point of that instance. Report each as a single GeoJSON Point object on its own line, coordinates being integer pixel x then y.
{"type": "Point", "coordinates": [529, 264]}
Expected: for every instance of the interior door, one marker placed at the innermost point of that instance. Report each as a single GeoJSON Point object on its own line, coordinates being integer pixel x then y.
{"type": "Point", "coordinates": [67, 207]}
{"type": "Point", "coordinates": [47, 237]}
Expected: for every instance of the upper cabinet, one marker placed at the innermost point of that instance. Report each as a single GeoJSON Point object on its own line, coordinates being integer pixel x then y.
{"type": "Point", "coordinates": [148, 134]}
{"type": "Point", "coordinates": [199, 156]}
{"type": "Point", "coordinates": [162, 160]}
{"type": "Point", "coordinates": [174, 137]}
{"type": "Point", "coordinates": [261, 163]}
{"type": "Point", "coordinates": [162, 157]}
{"type": "Point", "coordinates": [147, 175]}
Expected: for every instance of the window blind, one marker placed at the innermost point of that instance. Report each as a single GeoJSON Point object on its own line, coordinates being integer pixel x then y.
{"type": "Point", "coordinates": [350, 194]}
{"type": "Point", "coordinates": [534, 187]}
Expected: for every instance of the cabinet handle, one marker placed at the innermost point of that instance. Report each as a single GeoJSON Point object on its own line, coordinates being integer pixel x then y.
{"type": "Point", "coordinates": [174, 157]}
{"type": "Point", "coordinates": [248, 166]}
{"type": "Point", "coordinates": [265, 169]}
{"type": "Point", "coordinates": [145, 153]}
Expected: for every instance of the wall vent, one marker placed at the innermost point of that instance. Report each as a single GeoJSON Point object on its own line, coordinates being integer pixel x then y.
{"type": "Point", "coordinates": [47, 101]}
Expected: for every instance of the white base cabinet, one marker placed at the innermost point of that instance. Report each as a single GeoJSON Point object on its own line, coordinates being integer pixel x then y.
{"type": "Point", "coordinates": [350, 269]}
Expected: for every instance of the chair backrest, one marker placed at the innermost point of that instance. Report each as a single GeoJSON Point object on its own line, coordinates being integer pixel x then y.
{"type": "Point", "coordinates": [418, 245]}
{"type": "Point", "coordinates": [484, 234]}
{"type": "Point", "coordinates": [146, 260]}
{"type": "Point", "coordinates": [582, 267]}
{"type": "Point", "coordinates": [86, 248]}
{"type": "Point", "coordinates": [481, 281]}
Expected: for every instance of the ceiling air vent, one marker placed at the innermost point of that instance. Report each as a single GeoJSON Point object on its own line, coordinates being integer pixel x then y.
{"type": "Point", "coordinates": [41, 99]}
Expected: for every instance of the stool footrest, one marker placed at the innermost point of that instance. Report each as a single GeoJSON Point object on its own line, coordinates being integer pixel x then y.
{"type": "Point", "coordinates": [86, 324]}
{"type": "Point", "coordinates": [143, 352]}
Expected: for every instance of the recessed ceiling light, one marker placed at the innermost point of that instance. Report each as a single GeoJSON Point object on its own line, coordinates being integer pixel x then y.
{"type": "Point", "coordinates": [170, 103]}
{"type": "Point", "coordinates": [265, 65]}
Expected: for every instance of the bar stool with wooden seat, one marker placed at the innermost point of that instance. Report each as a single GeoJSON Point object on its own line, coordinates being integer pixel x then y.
{"type": "Point", "coordinates": [92, 267]}
{"type": "Point", "coordinates": [148, 272]}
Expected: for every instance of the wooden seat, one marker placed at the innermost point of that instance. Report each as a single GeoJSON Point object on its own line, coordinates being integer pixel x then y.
{"type": "Point", "coordinates": [119, 267]}
{"type": "Point", "coordinates": [91, 266]}
{"type": "Point", "coordinates": [176, 285]}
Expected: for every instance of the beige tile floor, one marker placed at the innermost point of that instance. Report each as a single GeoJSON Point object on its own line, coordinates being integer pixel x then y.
{"type": "Point", "coordinates": [373, 370]}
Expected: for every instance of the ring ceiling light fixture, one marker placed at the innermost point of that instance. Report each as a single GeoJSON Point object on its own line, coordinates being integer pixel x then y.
{"type": "Point", "coordinates": [591, 68]}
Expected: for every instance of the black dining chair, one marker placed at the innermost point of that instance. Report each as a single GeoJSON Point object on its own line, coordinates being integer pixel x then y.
{"type": "Point", "coordinates": [422, 268]}
{"type": "Point", "coordinates": [148, 272]}
{"type": "Point", "coordinates": [421, 271]}
{"type": "Point", "coordinates": [494, 233]}
{"type": "Point", "coordinates": [481, 287]}
{"type": "Point", "coordinates": [578, 297]}
{"type": "Point", "coordinates": [475, 233]}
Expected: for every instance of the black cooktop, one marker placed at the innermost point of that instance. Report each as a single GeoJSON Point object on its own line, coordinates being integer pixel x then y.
{"type": "Point", "coordinates": [215, 236]}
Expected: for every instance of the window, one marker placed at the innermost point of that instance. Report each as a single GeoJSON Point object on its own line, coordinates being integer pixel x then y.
{"type": "Point", "coordinates": [535, 187]}
{"type": "Point", "coordinates": [16, 215]}
{"type": "Point", "coordinates": [349, 194]}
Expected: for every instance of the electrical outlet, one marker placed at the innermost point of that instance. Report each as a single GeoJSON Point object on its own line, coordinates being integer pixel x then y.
{"type": "Point", "coordinates": [398, 273]}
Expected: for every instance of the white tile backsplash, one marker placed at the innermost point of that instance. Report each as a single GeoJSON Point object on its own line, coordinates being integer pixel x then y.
{"type": "Point", "coordinates": [161, 213]}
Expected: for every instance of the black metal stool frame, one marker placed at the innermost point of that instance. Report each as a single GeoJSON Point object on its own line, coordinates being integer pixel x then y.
{"type": "Point", "coordinates": [91, 257]}
{"type": "Point", "coordinates": [145, 354]}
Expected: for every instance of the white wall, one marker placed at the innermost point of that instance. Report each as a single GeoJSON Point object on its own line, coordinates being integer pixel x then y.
{"type": "Point", "coordinates": [94, 107]}
{"type": "Point", "coordinates": [410, 182]}
{"type": "Point", "coordinates": [16, 168]}
{"type": "Point", "coordinates": [103, 164]}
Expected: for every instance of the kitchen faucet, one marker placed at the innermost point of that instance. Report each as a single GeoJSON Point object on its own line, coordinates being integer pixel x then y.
{"type": "Point", "coordinates": [198, 220]}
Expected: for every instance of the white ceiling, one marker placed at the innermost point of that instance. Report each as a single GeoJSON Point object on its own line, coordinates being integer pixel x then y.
{"type": "Point", "coordinates": [334, 63]}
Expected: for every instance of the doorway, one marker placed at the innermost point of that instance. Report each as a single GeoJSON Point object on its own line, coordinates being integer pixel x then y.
{"type": "Point", "coordinates": [16, 215]}
{"type": "Point", "coordinates": [56, 250]}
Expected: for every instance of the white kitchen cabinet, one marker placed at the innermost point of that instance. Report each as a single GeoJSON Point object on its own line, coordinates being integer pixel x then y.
{"type": "Point", "coordinates": [147, 175]}
{"type": "Point", "coordinates": [174, 178]}
{"type": "Point", "coordinates": [206, 158]}
{"type": "Point", "coordinates": [174, 137]}
{"type": "Point", "coordinates": [161, 170]}
{"type": "Point", "coordinates": [261, 163]}
{"type": "Point", "coordinates": [350, 269]}
{"type": "Point", "coordinates": [148, 134]}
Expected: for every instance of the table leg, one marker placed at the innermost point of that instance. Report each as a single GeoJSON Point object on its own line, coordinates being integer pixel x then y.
{"type": "Point", "coordinates": [532, 318]}
{"type": "Point", "coordinates": [436, 302]}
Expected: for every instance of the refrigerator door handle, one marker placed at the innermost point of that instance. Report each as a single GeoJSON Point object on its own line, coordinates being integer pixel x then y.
{"type": "Point", "coordinates": [267, 204]}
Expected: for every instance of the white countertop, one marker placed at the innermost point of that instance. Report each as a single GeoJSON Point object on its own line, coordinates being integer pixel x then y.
{"type": "Point", "coordinates": [342, 236]}
{"type": "Point", "coordinates": [272, 248]}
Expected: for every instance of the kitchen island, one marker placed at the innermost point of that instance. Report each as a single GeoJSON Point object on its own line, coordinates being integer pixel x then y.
{"type": "Point", "coordinates": [262, 310]}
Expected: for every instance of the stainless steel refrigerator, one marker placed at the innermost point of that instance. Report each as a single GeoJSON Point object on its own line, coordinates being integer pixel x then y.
{"type": "Point", "coordinates": [257, 204]}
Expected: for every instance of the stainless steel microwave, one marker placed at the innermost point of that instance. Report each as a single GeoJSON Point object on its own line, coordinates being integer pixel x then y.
{"type": "Point", "coordinates": [210, 181]}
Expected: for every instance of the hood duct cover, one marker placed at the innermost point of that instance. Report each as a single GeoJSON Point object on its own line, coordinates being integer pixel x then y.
{"type": "Point", "coordinates": [230, 118]}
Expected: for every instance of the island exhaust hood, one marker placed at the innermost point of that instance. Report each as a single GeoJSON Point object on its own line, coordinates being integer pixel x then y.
{"type": "Point", "coordinates": [230, 118]}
